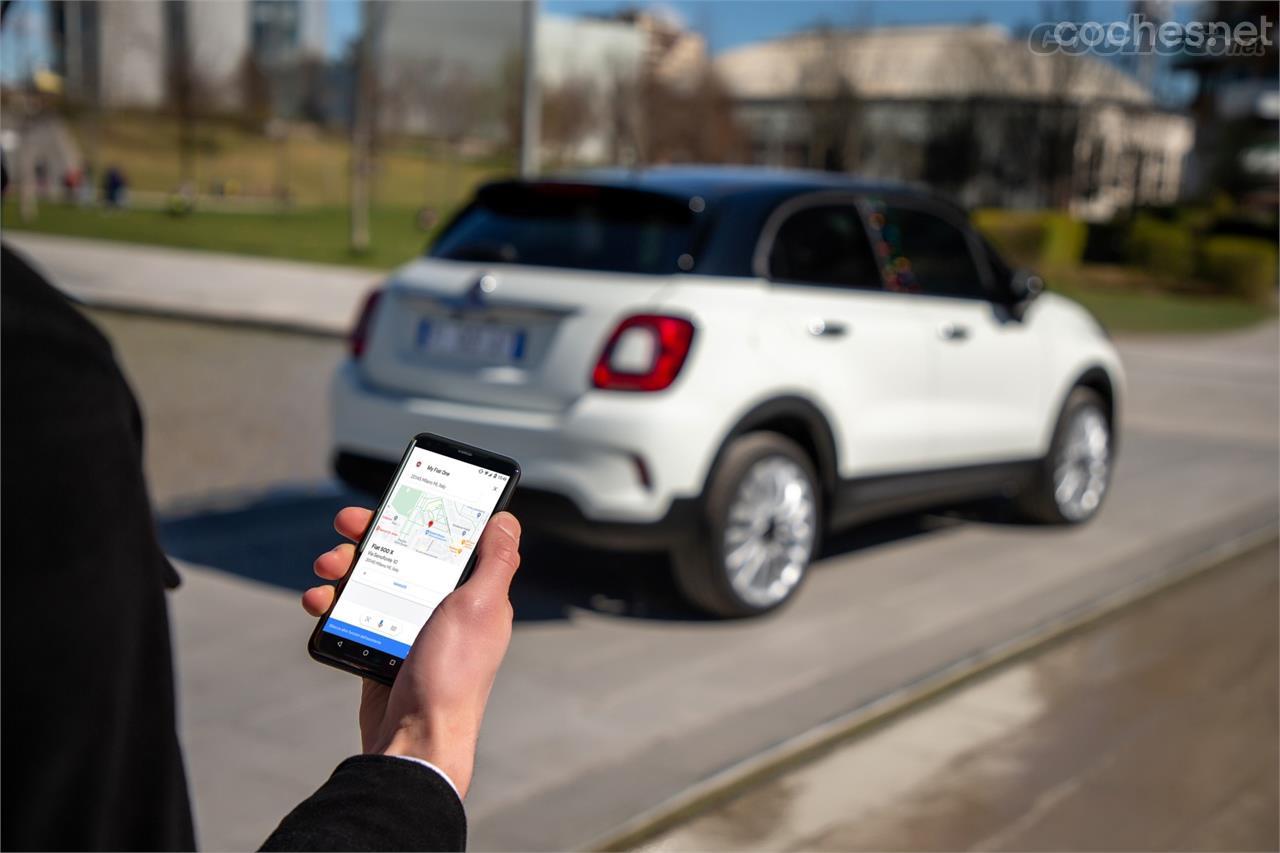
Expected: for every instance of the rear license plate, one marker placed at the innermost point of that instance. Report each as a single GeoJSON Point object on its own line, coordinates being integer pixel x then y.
{"type": "Point", "coordinates": [473, 341]}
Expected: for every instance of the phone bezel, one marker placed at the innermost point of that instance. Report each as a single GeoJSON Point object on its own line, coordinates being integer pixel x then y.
{"type": "Point", "coordinates": [355, 658]}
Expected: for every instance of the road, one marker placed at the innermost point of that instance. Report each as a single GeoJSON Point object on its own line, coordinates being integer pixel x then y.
{"type": "Point", "coordinates": [1152, 730]}
{"type": "Point", "coordinates": [614, 697]}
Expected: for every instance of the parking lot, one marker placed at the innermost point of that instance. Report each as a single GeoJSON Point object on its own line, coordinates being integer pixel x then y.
{"type": "Point", "coordinates": [615, 697]}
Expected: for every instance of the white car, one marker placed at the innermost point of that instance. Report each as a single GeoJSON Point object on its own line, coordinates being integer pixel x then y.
{"type": "Point", "coordinates": [726, 363]}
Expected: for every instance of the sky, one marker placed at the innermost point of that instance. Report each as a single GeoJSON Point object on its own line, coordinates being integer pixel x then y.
{"type": "Point", "coordinates": [729, 23]}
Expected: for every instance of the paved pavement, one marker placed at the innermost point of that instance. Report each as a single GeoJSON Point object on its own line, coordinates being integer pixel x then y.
{"type": "Point", "coordinates": [615, 697]}
{"type": "Point", "coordinates": [1153, 730]}
{"type": "Point", "coordinates": [208, 285]}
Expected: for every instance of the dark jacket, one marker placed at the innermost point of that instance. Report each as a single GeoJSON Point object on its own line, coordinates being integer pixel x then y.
{"type": "Point", "coordinates": [90, 755]}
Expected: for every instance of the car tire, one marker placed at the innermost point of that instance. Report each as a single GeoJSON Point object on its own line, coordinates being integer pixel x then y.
{"type": "Point", "coordinates": [762, 511]}
{"type": "Point", "coordinates": [1073, 479]}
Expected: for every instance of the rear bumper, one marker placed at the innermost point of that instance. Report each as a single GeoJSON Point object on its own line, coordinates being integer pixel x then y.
{"type": "Point", "coordinates": [549, 513]}
{"type": "Point", "coordinates": [614, 458]}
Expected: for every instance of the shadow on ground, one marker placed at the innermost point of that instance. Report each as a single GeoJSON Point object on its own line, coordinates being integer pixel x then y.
{"type": "Point", "coordinates": [273, 538]}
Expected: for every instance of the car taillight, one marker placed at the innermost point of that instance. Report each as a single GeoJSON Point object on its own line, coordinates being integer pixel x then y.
{"type": "Point", "coordinates": [645, 353]}
{"type": "Point", "coordinates": [364, 324]}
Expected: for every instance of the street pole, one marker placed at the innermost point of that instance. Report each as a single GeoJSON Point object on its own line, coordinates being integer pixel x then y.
{"type": "Point", "coordinates": [26, 158]}
{"type": "Point", "coordinates": [362, 131]}
{"type": "Point", "coordinates": [530, 102]}
{"type": "Point", "coordinates": [73, 85]}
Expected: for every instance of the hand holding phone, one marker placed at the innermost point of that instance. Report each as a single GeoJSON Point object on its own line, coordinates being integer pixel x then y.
{"type": "Point", "coordinates": [419, 546]}
{"type": "Point", "coordinates": [433, 711]}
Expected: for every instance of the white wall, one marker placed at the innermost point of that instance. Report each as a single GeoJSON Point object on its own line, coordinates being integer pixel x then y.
{"type": "Point", "coordinates": [131, 58]}
{"type": "Point", "coordinates": [218, 37]}
{"type": "Point", "coordinates": [586, 49]}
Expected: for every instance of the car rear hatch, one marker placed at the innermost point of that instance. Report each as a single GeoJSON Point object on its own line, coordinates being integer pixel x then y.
{"type": "Point", "coordinates": [521, 292]}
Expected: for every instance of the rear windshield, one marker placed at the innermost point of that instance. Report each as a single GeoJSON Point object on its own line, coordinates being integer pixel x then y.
{"type": "Point", "coordinates": [570, 225]}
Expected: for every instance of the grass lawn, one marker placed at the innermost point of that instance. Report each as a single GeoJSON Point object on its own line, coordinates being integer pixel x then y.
{"type": "Point", "coordinates": [313, 165]}
{"type": "Point", "coordinates": [409, 175]}
{"type": "Point", "coordinates": [1125, 300]}
{"type": "Point", "coordinates": [1162, 312]}
{"type": "Point", "coordinates": [311, 234]}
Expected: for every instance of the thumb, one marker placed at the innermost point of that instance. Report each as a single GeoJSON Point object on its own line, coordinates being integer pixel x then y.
{"type": "Point", "coordinates": [497, 556]}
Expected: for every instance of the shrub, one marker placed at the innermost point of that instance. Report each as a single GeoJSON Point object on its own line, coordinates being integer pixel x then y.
{"type": "Point", "coordinates": [1034, 238]}
{"type": "Point", "coordinates": [1106, 243]}
{"type": "Point", "coordinates": [1240, 266]}
{"type": "Point", "coordinates": [1016, 235]}
{"type": "Point", "coordinates": [1166, 248]}
{"type": "Point", "coordinates": [1064, 240]}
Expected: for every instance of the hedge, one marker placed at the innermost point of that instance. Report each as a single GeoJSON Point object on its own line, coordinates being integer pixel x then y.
{"type": "Point", "coordinates": [1167, 248]}
{"type": "Point", "coordinates": [1036, 238]}
{"type": "Point", "coordinates": [1240, 266]}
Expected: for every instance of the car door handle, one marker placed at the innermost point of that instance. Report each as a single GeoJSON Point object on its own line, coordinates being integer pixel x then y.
{"type": "Point", "coordinates": [827, 328]}
{"type": "Point", "coordinates": [953, 332]}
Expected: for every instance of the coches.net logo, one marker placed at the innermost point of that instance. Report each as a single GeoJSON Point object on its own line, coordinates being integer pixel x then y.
{"type": "Point", "coordinates": [1138, 34]}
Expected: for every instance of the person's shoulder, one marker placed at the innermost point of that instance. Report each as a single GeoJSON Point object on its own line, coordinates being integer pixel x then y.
{"type": "Point", "coordinates": [31, 305]}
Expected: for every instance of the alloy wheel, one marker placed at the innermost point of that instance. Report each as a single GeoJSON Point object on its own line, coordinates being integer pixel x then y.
{"type": "Point", "coordinates": [770, 531]}
{"type": "Point", "coordinates": [1081, 471]}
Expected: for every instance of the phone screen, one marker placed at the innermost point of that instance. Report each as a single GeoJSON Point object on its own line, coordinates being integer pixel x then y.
{"type": "Point", "coordinates": [416, 552]}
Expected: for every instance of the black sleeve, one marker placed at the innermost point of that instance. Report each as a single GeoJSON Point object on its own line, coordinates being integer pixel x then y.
{"type": "Point", "coordinates": [91, 758]}
{"type": "Point", "coordinates": [376, 802]}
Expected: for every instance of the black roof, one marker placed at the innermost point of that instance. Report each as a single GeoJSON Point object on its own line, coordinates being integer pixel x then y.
{"type": "Point", "coordinates": [738, 200]}
{"type": "Point", "coordinates": [711, 182]}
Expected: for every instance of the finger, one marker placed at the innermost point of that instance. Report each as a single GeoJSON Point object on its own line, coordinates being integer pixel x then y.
{"type": "Point", "coordinates": [333, 565]}
{"type": "Point", "coordinates": [317, 600]}
{"type": "Point", "coordinates": [352, 521]}
{"type": "Point", "coordinates": [497, 555]}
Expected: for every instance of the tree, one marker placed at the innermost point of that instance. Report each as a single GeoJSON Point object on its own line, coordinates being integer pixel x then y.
{"type": "Point", "coordinates": [255, 88]}
{"type": "Point", "coordinates": [187, 90]}
{"type": "Point", "coordinates": [364, 124]}
{"type": "Point", "coordinates": [655, 122]}
{"type": "Point", "coordinates": [567, 115]}
{"type": "Point", "coordinates": [829, 99]}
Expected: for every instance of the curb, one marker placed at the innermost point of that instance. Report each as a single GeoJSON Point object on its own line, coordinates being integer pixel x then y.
{"type": "Point", "coordinates": [269, 293]}
{"type": "Point", "coordinates": [240, 321]}
{"type": "Point", "coordinates": [723, 785]}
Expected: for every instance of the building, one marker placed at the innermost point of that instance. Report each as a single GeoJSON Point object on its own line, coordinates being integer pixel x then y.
{"type": "Point", "coordinates": [213, 43]}
{"type": "Point", "coordinates": [287, 74]}
{"type": "Point", "coordinates": [968, 109]}
{"type": "Point", "coordinates": [124, 54]}
{"type": "Point", "coordinates": [112, 54]}
{"type": "Point", "coordinates": [284, 32]}
{"type": "Point", "coordinates": [1237, 113]}
{"type": "Point", "coordinates": [673, 55]}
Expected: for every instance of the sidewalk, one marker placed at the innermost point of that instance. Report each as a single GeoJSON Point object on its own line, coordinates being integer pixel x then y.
{"type": "Point", "coordinates": [1152, 730]}
{"type": "Point", "coordinates": [203, 285]}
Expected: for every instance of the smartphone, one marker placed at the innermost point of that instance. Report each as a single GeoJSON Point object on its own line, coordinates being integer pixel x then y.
{"type": "Point", "coordinates": [420, 546]}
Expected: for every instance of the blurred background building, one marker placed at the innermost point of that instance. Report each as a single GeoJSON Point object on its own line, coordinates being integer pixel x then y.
{"type": "Point", "coordinates": [111, 53]}
{"type": "Point", "coordinates": [128, 55]}
{"type": "Point", "coordinates": [1236, 110]}
{"type": "Point", "coordinates": [967, 109]}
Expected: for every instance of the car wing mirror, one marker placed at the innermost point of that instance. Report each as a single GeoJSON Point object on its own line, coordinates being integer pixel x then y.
{"type": "Point", "coordinates": [1025, 286]}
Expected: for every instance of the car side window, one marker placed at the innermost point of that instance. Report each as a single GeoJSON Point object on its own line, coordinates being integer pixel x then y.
{"type": "Point", "coordinates": [825, 245]}
{"type": "Point", "coordinates": [923, 253]}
